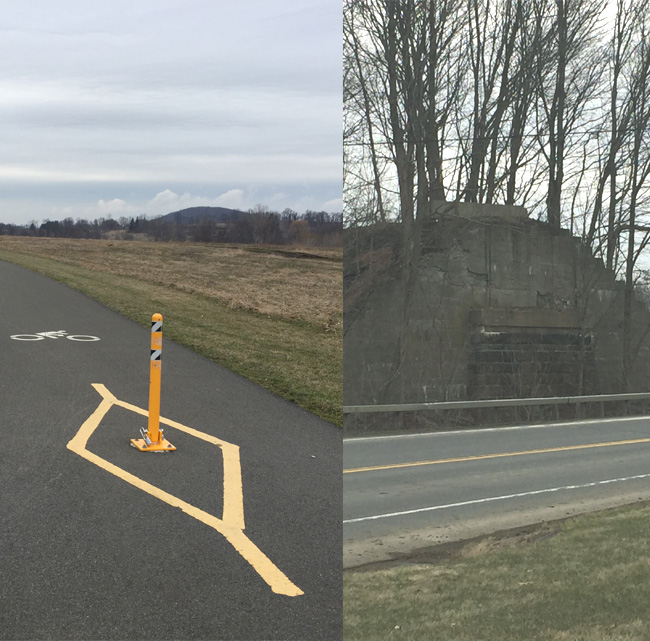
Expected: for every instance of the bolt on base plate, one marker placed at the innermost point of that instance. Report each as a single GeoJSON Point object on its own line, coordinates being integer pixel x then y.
{"type": "Point", "coordinates": [163, 446]}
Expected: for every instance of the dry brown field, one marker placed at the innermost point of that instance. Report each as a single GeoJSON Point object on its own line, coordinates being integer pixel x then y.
{"type": "Point", "coordinates": [273, 314]}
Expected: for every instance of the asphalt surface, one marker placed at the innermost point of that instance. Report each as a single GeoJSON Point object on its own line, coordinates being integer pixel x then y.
{"type": "Point", "coordinates": [402, 494]}
{"type": "Point", "coordinates": [86, 554]}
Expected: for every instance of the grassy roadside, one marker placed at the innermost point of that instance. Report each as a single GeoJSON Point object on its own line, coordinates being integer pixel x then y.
{"type": "Point", "coordinates": [583, 579]}
{"type": "Point", "coordinates": [274, 318]}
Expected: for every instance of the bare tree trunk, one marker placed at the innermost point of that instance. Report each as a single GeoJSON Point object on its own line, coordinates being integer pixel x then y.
{"type": "Point", "coordinates": [522, 101]}
{"type": "Point", "coordinates": [403, 150]}
{"type": "Point", "coordinates": [438, 40]}
{"type": "Point", "coordinates": [640, 168]}
{"type": "Point", "coordinates": [367, 111]}
{"type": "Point", "coordinates": [557, 125]}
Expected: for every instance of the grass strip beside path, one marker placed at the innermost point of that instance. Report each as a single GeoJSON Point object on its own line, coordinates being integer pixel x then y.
{"type": "Point", "coordinates": [297, 359]}
{"type": "Point", "coordinates": [583, 579]}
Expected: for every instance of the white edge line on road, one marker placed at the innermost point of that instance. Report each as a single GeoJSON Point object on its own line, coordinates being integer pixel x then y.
{"type": "Point", "coordinates": [494, 498]}
{"type": "Point", "coordinates": [483, 430]}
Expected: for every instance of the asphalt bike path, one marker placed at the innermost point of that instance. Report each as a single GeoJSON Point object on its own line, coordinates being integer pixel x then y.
{"type": "Point", "coordinates": [235, 535]}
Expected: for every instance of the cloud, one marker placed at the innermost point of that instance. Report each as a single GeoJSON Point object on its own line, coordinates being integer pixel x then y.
{"type": "Point", "coordinates": [276, 199]}
{"type": "Point", "coordinates": [89, 200]}
{"type": "Point", "coordinates": [117, 206]}
{"type": "Point", "coordinates": [164, 200]}
{"type": "Point", "coordinates": [334, 206]}
{"type": "Point", "coordinates": [304, 203]}
{"type": "Point", "coordinates": [100, 115]}
{"type": "Point", "coordinates": [167, 201]}
{"type": "Point", "coordinates": [233, 198]}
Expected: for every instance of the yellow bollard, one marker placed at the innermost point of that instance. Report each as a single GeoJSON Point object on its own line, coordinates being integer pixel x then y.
{"type": "Point", "coordinates": [153, 439]}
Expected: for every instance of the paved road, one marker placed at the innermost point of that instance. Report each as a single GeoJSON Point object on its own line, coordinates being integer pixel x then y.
{"type": "Point", "coordinates": [100, 541]}
{"type": "Point", "coordinates": [409, 492]}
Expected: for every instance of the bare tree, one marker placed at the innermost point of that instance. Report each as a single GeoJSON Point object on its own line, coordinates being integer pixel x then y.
{"type": "Point", "coordinates": [358, 88]}
{"type": "Point", "coordinates": [639, 170]}
{"type": "Point", "coordinates": [621, 53]}
{"type": "Point", "coordinates": [568, 80]}
{"type": "Point", "coordinates": [492, 38]}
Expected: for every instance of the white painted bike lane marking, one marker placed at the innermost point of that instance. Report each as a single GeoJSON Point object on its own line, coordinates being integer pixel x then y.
{"type": "Point", "coordinates": [61, 333]}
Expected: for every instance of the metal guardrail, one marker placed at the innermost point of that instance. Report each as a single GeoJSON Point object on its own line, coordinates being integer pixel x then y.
{"type": "Point", "coordinates": [504, 402]}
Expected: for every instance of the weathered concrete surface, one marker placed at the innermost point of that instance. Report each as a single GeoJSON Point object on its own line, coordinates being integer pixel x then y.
{"type": "Point", "coordinates": [479, 211]}
{"type": "Point", "coordinates": [421, 335]}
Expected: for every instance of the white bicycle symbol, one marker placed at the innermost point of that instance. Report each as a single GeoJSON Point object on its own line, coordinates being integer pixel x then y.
{"type": "Point", "coordinates": [60, 334]}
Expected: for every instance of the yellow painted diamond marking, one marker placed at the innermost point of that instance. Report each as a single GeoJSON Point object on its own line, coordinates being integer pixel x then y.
{"type": "Point", "coordinates": [231, 525]}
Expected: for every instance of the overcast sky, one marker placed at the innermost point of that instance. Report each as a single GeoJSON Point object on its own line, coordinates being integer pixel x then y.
{"type": "Point", "coordinates": [150, 106]}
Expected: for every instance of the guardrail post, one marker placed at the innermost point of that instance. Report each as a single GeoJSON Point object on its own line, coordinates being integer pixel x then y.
{"type": "Point", "coordinates": [153, 439]}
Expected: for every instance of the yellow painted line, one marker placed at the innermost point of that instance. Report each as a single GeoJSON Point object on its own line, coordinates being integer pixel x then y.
{"type": "Point", "coordinates": [233, 502]}
{"type": "Point", "coordinates": [482, 457]}
{"type": "Point", "coordinates": [231, 525]}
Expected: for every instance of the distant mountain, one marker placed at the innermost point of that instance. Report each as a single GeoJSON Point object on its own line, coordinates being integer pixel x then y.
{"type": "Point", "coordinates": [196, 214]}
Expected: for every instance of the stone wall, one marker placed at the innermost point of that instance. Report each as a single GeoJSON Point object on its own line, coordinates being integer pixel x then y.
{"type": "Point", "coordinates": [498, 306]}
{"type": "Point", "coordinates": [518, 353]}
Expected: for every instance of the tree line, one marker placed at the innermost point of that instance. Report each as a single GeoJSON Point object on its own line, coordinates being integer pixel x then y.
{"type": "Point", "coordinates": [538, 103]}
{"type": "Point", "coordinates": [257, 226]}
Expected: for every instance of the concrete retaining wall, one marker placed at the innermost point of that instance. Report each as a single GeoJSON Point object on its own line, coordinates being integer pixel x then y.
{"type": "Point", "coordinates": [499, 305]}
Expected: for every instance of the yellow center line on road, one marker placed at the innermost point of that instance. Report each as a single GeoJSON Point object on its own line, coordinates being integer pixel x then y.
{"type": "Point", "coordinates": [482, 457]}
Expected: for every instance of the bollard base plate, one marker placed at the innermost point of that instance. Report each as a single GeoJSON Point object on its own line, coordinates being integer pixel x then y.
{"type": "Point", "coordinates": [163, 446]}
